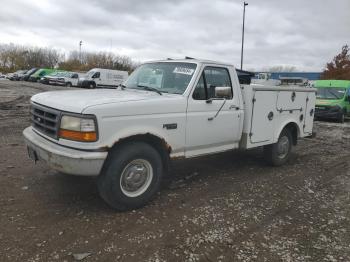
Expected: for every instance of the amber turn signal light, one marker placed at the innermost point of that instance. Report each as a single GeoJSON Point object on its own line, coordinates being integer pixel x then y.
{"type": "Point", "coordinates": [78, 135]}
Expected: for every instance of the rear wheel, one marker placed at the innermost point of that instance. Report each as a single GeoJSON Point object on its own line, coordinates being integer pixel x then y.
{"type": "Point", "coordinates": [131, 176]}
{"type": "Point", "coordinates": [277, 154]}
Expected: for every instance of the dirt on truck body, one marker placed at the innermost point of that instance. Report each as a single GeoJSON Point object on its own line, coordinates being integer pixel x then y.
{"type": "Point", "coordinates": [226, 207]}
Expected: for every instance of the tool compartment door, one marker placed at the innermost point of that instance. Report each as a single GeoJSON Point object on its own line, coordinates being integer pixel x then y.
{"type": "Point", "coordinates": [309, 112]}
{"type": "Point", "coordinates": [291, 100]}
{"type": "Point", "coordinates": [263, 116]}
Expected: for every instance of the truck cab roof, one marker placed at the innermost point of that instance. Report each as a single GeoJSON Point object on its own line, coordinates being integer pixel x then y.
{"type": "Point", "coordinates": [192, 60]}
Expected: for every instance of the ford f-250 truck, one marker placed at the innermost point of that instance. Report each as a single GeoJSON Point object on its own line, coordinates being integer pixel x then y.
{"type": "Point", "coordinates": [165, 110]}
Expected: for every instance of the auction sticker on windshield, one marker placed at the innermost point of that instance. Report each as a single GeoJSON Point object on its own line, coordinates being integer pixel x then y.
{"type": "Point", "coordinates": [183, 70]}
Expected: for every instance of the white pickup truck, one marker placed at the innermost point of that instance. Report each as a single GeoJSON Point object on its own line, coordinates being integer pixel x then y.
{"type": "Point", "coordinates": [165, 110]}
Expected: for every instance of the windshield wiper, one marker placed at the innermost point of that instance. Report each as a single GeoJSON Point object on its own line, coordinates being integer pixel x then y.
{"type": "Point", "coordinates": [148, 88]}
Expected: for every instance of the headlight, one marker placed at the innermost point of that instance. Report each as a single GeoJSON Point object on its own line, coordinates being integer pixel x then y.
{"type": "Point", "coordinates": [78, 128]}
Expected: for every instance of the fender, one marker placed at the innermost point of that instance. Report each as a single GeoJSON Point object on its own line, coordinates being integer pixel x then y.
{"type": "Point", "coordinates": [282, 126]}
{"type": "Point", "coordinates": [145, 130]}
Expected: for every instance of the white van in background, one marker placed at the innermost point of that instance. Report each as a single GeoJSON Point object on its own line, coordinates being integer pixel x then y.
{"type": "Point", "coordinates": [98, 77]}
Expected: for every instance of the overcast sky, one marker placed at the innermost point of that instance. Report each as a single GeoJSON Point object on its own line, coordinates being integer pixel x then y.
{"type": "Point", "coordinates": [300, 33]}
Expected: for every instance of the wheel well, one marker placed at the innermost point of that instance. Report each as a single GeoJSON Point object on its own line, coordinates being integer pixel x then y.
{"type": "Point", "coordinates": [293, 129]}
{"type": "Point", "coordinates": [163, 148]}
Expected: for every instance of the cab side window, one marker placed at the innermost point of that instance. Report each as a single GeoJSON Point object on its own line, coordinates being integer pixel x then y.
{"type": "Point", "coordinates": [211, 78]}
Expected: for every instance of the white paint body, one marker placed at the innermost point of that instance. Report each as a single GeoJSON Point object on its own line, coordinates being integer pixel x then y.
{"type": "Point", "coordinates": [125, 113]}
{"type": "Point", "coordinates": [107, 77]}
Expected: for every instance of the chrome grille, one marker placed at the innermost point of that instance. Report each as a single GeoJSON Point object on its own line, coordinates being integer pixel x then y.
{"type": "Point", "coordinates": [45, 120]}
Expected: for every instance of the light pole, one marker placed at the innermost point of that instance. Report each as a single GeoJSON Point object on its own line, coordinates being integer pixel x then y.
{"type": "Point", "coordinates": [244, 5]}
{"type": "Point", "coordinates": [80, 43]}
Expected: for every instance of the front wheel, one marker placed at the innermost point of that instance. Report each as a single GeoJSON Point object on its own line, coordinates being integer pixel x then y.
{"type": "Point", "coordinates": [131, 176]}
{"type": "Point", "coordinates": [341, 118]}
{"type": "Point", "coordinates": [277, 154]}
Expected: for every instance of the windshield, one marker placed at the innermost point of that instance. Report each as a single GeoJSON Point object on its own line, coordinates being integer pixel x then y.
{"type": "Point", "coordinates": [68, 74]}
{"type": "Point", "coordinates": [166, 77]}
{"type": "Point", "coordinates": [30, 71]}
{"type": "Point", "coordinates": [62, 73]}
{"type": "Point", "coordinates": [90, 74]}
{"type": "Point", "coordinates": [330, 93]}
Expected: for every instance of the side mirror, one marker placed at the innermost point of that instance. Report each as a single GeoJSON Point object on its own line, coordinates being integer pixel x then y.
{"type": "Point", "coordinates": [223, 92]}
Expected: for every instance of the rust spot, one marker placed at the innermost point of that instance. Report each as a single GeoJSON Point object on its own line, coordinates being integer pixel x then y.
{"type": "Point", "coordinates": [104, 148]}
{"type": "Point", "coordinates": [177, 157]}
{"type": "Point", "coordinates": [167, 146]}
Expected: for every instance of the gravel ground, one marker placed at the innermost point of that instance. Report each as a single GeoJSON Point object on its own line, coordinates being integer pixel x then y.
{"type": "Point", "coordinates": [227, 207]}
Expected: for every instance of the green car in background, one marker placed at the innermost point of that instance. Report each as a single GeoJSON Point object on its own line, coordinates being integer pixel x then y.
{"type": "Point", "coordinates": [332, 99]}
{"type": "Point", "coordinates": [40, 73]}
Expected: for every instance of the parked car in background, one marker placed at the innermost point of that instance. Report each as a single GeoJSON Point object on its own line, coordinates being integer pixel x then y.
{"type": "Point", "coordinates": [103, 78]}
{"type": "Point", "coordinates": [51, 77]}
{"type": "Point", "coordinates": [16, 76]}
{"type": "Point", "coordinates": [68, 79]}
{"type": "Point", "coordinates": [26, 76]}
{"type": "Point", "coordinates": [40, 73]}
{"type": "Point", "coordinates": [333, 99]}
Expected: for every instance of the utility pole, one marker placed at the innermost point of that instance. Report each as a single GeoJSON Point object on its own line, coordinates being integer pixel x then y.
{"type": "Point", "coordinates": [244, 5]}
{"type": "Point", "coordinates": [80, 43]}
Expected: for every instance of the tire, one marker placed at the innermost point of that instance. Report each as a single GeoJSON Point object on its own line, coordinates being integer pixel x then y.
{"type": "Point", "coordinates": [92, 85]}
{"type": "Point", "coordinates": [341, 118]}
{"type": "Point", "coordinates": [68, 84]}
{"type": "Point", "coordinates": [115, 183]}
{"type": "Point", "coordinates": [278, 154]}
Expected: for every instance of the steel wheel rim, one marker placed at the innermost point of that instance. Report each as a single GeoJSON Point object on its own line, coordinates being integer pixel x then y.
{"type": "Point", "coordinates": [136, 177]}
{"type": "Point", "coordinates": [283, 147]}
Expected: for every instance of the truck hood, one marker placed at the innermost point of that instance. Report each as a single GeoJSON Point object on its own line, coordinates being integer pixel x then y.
{"type": "Point", "coordinates": [77, 100]}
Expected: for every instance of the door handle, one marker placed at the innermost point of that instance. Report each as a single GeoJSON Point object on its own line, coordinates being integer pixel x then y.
{"type": "Point", "coordinates": [234, 107]}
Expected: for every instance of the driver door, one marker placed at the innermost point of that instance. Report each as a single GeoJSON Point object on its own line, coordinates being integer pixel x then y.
{"type": "Point", "coordinates": [97, 79]}
{"type": "Point", "coordinates": [213, 124]}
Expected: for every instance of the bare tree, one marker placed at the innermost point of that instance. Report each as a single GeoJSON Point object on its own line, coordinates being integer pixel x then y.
{"type": "Point", "coordinates": [15, 57]}
{"type": "Point", "coordinates": [280, 68]}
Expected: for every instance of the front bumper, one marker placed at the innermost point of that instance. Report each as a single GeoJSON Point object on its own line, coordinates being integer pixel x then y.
{"type": "Point", "coordinates": [63, 159]}
{"type": "Point", "coordinates": [58, 83]}
{"type": "Point", "coordinates": [324, 112]}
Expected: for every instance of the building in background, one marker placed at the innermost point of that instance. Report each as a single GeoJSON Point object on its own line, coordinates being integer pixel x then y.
{"type": "Point", "coordinates": [286, 78]}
